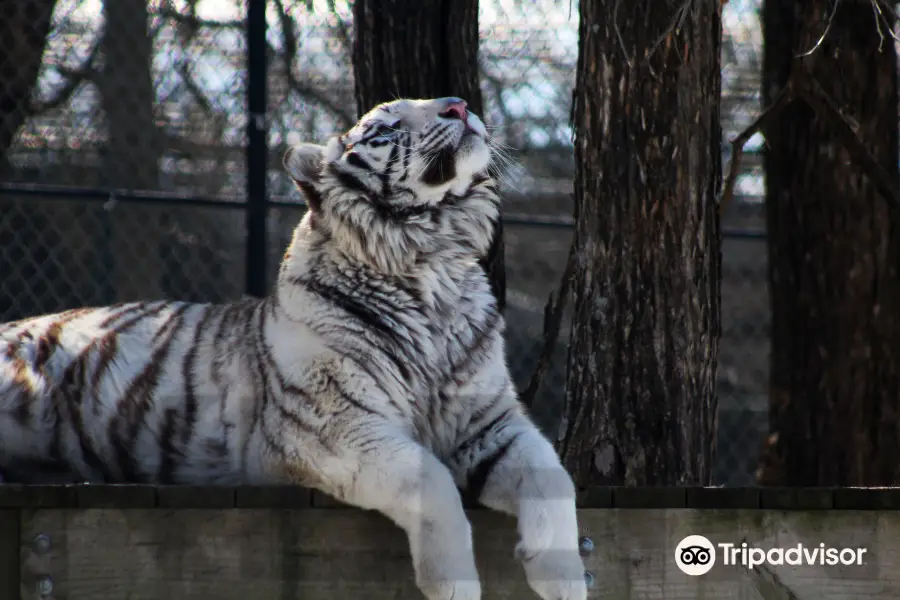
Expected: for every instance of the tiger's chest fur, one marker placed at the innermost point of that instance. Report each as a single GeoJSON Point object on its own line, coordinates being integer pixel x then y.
{"type": "Point", "coordinates": [416, 343]}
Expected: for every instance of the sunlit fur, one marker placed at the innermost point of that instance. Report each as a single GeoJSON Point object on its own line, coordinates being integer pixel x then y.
{"type": "Point", "coordinates": [402, 186]}
{"type": "Point", "coordinates": [375, 372]}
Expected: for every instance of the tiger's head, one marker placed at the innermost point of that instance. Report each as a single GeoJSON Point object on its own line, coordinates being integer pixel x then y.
{"type": "Point", "coordinates": [409, 181]}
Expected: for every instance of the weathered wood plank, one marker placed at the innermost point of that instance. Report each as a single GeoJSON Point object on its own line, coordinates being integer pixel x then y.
{"type": "Point", "coordinates": [9, 553]}
{"type": "Point", "coordinates": [116, 496]}
{"type": "Point", "coordinates": [712, 497]}
{"type": "Point", "coordinates": [273, 496]}
{"type": "Point", "coordinates": [867, 498]}
{"type": "Point", "coordinates": [595, 497]}
{"type": "Point", "coordinates": [138, 554]}
{"type": "Point", "coordinates": [284, 496]}
{"type": "Point", "coordinates": [195, 496]}
{"type": "Point", "coordinates": [778, 498]}
{"type": "Point", "coordinates": [38, 496]}
{"type": "Point", "coordinates": [649, 497]}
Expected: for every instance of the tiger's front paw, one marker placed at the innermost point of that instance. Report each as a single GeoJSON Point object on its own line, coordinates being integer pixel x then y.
{"type": "Point", "coordinates": [548, 549]}
{"type": "Point", "coordinates": [554, 574]}
{"type": "Point", "coordinates": [451, 590]}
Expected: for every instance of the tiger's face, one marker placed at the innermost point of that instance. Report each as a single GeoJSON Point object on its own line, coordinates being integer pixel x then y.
{"type": "Point", "coordinates": [423, 146]}
{"type": "Point", "coordinates": [419, 149]}
{"type": "Point", "coordinates": [392, 178]}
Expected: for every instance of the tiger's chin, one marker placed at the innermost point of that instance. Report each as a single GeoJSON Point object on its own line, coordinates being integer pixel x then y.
{"type": "Point", "coordinates": [473, 158]}
{"type": "Point", "coordinates": [473, 153]}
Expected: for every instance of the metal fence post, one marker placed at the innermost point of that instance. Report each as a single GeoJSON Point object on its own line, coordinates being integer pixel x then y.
{"type": "Point", "coordinates": [257, 151]}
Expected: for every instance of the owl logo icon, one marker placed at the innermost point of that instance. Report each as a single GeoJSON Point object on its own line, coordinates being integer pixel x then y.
{"type": "Point", "coordinates": [695, 555]}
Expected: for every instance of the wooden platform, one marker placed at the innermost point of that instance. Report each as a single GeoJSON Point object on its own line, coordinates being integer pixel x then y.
{"type": "Point", "coordinates": [185, 543]}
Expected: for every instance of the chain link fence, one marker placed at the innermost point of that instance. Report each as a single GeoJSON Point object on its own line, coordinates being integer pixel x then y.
{"type": "Point", "coordinates": [124, 174]}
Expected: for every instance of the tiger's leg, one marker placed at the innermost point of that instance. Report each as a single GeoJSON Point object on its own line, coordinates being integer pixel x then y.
{"type": "Point", "coordinates": [508, 465]}
{"type": "Point", "coordinates": [401, 479]}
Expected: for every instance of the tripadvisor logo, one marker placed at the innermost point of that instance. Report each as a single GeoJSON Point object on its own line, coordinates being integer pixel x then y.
{"type": "Point", "coordinates": [696, 555]}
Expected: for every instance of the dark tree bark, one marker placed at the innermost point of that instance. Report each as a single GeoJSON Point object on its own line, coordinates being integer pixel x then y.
{"type": "Point", "coordinates": [24, 25]}
{"type": "Point", "coordinates": [834, 407]}
{"type": "Point", "coordinates": [640, 398]}
{"type": "Point", "coordinates": [128, 97]}
{"type": "Point", "coordinates": [133, 149]}
{"type": "Point", "coordinates": [422, 49]}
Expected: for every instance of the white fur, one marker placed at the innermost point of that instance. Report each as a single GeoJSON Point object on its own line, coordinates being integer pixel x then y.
{"type": "Point", "coordinates": [376, 371]}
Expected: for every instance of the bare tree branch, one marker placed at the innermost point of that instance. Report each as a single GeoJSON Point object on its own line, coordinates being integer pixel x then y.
{"type": "Point", "coordinates": [287, 30]}
{"type": "Point", "coordinates": [615, 17]}
{"type": "Point", "coordinates": [194, 89]}
{"type": "Point", "coordinates": [802, 84]}
{"type": "Point", "coordinates": [345, 119]}
{"type": "Point", "coordinates": [343, 32]}
{"type": "Point", "coordinates": [674, 26]}
{"type": "Point", "coordinates": [302, 89]}
{"type": "Point", "coordinates": [881, 19]}
{"type": "Point", "coordinates": [785, 96]}
{"type": "Point", "coordinates": [818, 43]}
{"type": "Point", "coordinates": [74, 78]}
{"type": "Point", "coordinates": [193, 22]}
{"type": "Point", "coordinates": [883, 6]}
{"type": "Point", "coordinates": [814, 95]}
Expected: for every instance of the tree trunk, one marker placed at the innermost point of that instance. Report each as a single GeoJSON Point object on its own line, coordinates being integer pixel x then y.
{"type": "Point", "coordinates": [132, 150]}
{"type": "Point", "coordinates": [422, 49]}
{"type": "Point", "coordinates": [640, 400]}
{"type": "Point", "coordinates": [834, 404]}
{"type": "Point", "coordinates": [128, 96]}
{"type": "Point", "coordinates": [24, 25]}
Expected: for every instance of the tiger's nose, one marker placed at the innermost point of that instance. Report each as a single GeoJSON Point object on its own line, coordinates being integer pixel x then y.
{"type": "Point", "coordinates": [454, 108]}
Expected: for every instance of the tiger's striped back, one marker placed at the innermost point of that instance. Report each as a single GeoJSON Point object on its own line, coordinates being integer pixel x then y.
{"type": "Point", "coordinates": [120, 393]}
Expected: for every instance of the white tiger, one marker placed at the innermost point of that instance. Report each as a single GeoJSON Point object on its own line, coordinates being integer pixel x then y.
{"type": "Point", "coordinates": [375, 372]}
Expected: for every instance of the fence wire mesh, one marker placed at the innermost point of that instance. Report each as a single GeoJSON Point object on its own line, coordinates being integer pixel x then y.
{"type": "Point", "coordinates": [149, 97]}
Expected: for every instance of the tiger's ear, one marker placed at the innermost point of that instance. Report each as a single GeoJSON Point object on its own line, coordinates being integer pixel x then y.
{"type": "Point", "coordinates": [303, 163]}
